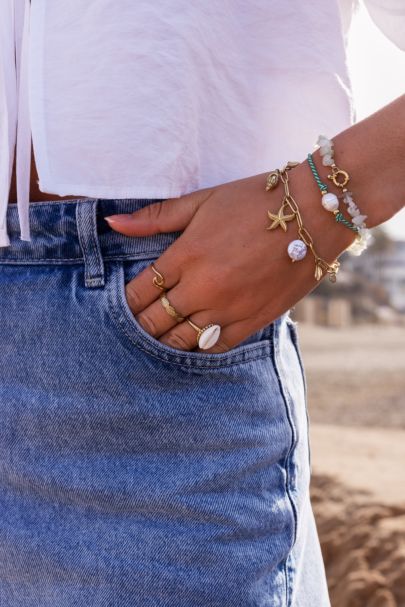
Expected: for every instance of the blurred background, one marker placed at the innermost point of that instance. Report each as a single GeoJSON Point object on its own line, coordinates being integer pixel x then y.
{"type": "Point", "coordinates": [352, 339]}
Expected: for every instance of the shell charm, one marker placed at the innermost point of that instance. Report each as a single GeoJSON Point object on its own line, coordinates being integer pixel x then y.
{"type": "Point", "coordinates": [208, 336]}
{"type": "Point", "coordinates": [297, 249]}
{"type": "Point", "coordinates": [272, 180]}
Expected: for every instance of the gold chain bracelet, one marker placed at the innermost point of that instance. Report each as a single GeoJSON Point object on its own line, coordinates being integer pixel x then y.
{"type": "Point", "coordinates": [297, 249]}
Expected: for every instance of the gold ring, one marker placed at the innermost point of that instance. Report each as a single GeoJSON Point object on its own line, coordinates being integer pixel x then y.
{"type": "Point", "coordinates": [158, 280]}
{"type": "Point", "coordinates": [170, 309]}
{"type": "Point", "coordinates": [206, 336]}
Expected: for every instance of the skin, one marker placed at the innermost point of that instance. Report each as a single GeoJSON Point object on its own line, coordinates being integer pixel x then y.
{"type": "Point", "coordinates": [225, 267]}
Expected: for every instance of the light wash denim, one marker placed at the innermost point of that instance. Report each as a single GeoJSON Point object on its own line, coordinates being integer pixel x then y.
{"type": "Point", "coordinates": [133, 474]}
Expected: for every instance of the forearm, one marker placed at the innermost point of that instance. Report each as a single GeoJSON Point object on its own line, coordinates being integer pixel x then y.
{"type": "Point", "coordinates": [372, 151]}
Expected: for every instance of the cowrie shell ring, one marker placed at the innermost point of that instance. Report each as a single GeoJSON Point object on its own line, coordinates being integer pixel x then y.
{"type": "Point", "coordinates": [206, 336]}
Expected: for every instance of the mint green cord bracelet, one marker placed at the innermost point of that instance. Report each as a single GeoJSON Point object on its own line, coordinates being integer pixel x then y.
{"type": "Point", "coordinates": [330, 201]}
{"type": "Point", "coordinates": [322, 186]}
{"type": "Point", "coordinates": [340, 218]}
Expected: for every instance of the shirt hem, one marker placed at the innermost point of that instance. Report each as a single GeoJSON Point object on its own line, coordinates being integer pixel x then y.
{"type": "Point", "coordinates": [63, 189]}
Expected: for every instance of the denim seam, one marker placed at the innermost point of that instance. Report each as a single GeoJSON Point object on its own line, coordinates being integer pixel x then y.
{"type": "Point", "coordinates": [287, 472]}
{"type": "Point", "coordinates": [56, 260]}
{"type": "Point", "coordinates": [295, 340]}
{"type": "Point", "coordinates": [51, 203]}
{"type": "Point", "coordinates": [30, 262]}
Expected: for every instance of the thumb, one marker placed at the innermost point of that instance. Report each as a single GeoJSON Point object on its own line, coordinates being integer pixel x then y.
{"type": "Point", "coordinates": [167, 215]}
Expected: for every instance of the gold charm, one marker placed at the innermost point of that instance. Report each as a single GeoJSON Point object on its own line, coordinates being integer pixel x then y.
{"type": "Point", "coordinates": [280, 219]}
{"type": "Point", "coordinates": [322, 266]}
{"type": "Point", "coordinates": [333, 270]}
{"type": "Point", "coordinates": [318, 272]}
{"type": "Point", "coordinates": [339, 177]}
{"type": "Point", "coordinates": [272, 180]}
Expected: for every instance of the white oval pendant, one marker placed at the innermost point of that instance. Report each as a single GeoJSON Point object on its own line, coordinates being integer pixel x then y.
{"type": "Point", "coordinates": [297, 249]}
{"type": "Point", "coordinates": [209, 337]}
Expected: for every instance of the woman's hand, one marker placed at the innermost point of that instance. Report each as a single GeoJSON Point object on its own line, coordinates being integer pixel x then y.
{"type": "Point", "coordinates": [225, 268]}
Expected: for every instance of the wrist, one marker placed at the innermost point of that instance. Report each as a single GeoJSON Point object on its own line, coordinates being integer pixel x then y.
{"type": "Point", "coordinates": [372, 151]}
{"type": "Point", "coordinates": [331, 238]}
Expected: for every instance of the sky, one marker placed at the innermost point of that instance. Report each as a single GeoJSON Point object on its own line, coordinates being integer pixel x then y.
{"type": "Point", "coordinates": [377, 69]}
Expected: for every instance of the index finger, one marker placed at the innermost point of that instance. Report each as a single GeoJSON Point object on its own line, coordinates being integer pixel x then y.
{"type": "Point", "coordinates": [142, 290]}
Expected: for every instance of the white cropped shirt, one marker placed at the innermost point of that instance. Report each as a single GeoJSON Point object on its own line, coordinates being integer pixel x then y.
{"type": "Point", "coordinates": [156, 99]}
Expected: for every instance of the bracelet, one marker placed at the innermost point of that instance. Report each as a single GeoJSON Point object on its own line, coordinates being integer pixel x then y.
{"type": "Point", "coordinates": [330, 201]}
{"type": "Point", "coordinates": [297, 249]}
{"type": "Point", "coordinates": [340, 179]}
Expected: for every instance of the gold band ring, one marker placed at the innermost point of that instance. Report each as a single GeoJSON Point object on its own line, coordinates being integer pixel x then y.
{"type": "Point", "coordinates": [170, 309]}
{"type": "Point", "coordinates": [206, 336]}
{"type": "Point", "coordinates": [158, 280]}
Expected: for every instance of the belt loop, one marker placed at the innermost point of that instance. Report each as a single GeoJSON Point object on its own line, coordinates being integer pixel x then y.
{"type": "Point", "coordinates": [86, 222]}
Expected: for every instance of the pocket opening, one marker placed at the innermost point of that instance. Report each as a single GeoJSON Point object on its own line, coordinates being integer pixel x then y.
{"type": "Point", "coordinates": [133, 332]}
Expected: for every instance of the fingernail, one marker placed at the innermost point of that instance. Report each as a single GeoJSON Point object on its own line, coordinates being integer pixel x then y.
{"type": "Point", "coordinates": [123, 218]}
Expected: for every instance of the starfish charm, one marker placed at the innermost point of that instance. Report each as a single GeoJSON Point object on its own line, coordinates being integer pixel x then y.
{"type": "Point", "coordinates": [280, 219]}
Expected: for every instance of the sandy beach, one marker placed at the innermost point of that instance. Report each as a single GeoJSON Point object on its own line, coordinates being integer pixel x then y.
{"type": "Point", "coordinates": [356, 401]}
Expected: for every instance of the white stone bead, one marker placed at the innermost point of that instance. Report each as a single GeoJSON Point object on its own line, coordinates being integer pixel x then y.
{"type": "Point", "coordinates": [356, 248]}
{"type": "Point", "coordinates": [353, 211]}
{"type": "Point", "coordinates": [297, 249]}
{"type": "Point", "coordinates": [322, 140]}
{"type": "Point", "coordinates": [209, 337]}
{"type": "Point", "coordinates": [361, 243]}
{"type": "Point", "coordinates": [359, 220]}
{"type": "Point", "coordinates": [326, 145]}
{"type": "Point", "coordinates": [330, 202]}
{"type": "Point", "coordinates": [365, 234]}
{"type": "Point", "coordinates": [327, 160]}
{"type": "Point", "coordinates": [326, 152]}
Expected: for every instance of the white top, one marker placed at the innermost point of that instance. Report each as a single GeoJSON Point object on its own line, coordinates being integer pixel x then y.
{"type": "Point", "coordinates": [156, 99]}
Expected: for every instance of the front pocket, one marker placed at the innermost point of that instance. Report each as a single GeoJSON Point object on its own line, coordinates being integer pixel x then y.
{"type": "Point", "coordinates": [257, 346]}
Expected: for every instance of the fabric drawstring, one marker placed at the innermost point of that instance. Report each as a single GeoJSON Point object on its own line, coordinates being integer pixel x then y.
{"type": "Point", "coordinates": [15, 128]}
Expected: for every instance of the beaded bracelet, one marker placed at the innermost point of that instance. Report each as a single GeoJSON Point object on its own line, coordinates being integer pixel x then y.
{"type": "Point", "coordinates": [297, 249]}
{"type": "Point", "coordinates": [340, 178]}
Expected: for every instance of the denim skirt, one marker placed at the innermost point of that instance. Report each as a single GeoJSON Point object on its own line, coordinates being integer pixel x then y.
{"type": "Point", "coordinates": [133, 474]}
